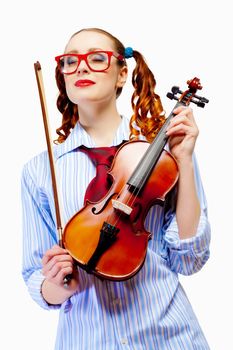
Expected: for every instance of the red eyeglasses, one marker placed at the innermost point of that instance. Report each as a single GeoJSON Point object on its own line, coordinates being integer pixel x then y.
{"type": "Point", "coordinates": [97, 61]}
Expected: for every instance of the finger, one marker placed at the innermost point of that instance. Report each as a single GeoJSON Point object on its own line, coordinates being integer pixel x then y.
{"type": "Point", "coordinates": [176, 140]}
{"type": "Point", "coordinates": [180, 129]}
{"type": "Point", "coordinates": [50, 253]}
{"type": "Point", "coordinates": [187, 111]}
{"type": "Point", "coordinates": [57, 259]}
{"type": "Point", "coordinates": [63, 273]}
{"type": "Point", "coordinates": [181, 118]}
{"type": "Point", "coordinates": [183, 109]}
{"type": "Point", "coordinates": [56, 269]}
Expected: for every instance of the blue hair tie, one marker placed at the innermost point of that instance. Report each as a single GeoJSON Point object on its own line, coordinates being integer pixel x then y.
{"type": "Point", "coordinates": [128, 52]}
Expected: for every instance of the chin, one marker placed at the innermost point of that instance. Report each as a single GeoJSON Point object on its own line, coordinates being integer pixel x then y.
{"type": "Point", "coordinates": [87, 94]}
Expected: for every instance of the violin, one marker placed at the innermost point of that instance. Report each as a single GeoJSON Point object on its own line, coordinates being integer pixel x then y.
{"type": "Point", "coordinates": [108, 238]}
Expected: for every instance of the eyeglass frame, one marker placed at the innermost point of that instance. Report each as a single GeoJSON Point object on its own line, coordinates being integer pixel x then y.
{"type": "Point", "coordinates": [84, 57]}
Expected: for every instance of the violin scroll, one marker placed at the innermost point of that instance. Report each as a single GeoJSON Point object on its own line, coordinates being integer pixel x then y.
{"type": "Point", "coordinates": [189, 95]}
{"type": "Point", "coordinates": [194, 84]}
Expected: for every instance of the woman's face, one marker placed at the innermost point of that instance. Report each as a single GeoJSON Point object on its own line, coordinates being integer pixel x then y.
{"type": "Point", "coordinates": [103, 86]}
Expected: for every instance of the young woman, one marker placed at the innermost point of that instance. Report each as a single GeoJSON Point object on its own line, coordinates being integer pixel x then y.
{"type": "Point", "coordinates": [151, 309]}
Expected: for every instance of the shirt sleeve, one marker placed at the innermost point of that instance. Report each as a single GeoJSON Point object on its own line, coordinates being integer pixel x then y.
{"type": "Point", "coordinates": [187, 256]}
{"type": "Point", "coordinates": [39, 234]}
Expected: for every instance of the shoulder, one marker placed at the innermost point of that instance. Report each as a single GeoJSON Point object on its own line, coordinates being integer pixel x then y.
{"type": "Point", "coordinates": [36, 167]}
{"type": "Point", "coordinates": [38, 160]}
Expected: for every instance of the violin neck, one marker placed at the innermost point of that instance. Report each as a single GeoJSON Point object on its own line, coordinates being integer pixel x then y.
{"type": "Point", "coordinates": [150, 158]}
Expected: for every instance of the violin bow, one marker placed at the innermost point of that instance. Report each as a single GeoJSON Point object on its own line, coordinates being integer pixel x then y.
{"type": "Point", "coordinates": [40, 85]}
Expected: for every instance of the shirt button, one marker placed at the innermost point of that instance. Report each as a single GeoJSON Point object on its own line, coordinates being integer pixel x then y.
{"type": "Point", "coordinates": [124, 341]}
{"type": "Point", "coordinates": [116, 301]}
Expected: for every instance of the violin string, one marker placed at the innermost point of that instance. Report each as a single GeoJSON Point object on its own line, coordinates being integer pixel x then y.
{"type": "Point", "coordinates": [133, 195]}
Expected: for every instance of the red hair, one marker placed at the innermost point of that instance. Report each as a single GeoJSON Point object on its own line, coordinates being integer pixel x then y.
{"type": "Point", "coordinates": [148, 114]}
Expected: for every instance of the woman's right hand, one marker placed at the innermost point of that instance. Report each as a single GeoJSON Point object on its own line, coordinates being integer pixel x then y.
{"type": "Point", "coordinates": [57, 264]}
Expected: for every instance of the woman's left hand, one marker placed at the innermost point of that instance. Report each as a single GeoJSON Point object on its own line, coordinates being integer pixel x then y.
{"type": "Point", "coordinates": [182, 132]}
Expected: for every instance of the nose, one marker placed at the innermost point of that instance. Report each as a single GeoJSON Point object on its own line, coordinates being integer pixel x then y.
{"type": "Point", "coordinates": [82, 67]}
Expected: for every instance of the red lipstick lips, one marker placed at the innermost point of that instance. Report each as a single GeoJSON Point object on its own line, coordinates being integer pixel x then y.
{"type": "Point", "coordinates": [84, 82]}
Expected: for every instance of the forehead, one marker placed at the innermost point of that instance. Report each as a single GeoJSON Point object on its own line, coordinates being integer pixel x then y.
{"type": "Point", "coordinates": [86, 40]}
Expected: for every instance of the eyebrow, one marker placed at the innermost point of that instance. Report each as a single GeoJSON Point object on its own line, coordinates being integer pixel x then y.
{"type": "Point", "coordinates": [91, 49]}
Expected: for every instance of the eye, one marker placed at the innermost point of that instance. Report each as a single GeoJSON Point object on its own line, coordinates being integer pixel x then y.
{"type": "Point", "coordinates": [98, 57]}
{"type": "Point", "coordinates": [70, 60]}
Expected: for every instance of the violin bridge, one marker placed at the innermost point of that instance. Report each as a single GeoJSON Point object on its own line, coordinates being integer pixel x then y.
{"type": "Point", "coordinates": [121, 206]}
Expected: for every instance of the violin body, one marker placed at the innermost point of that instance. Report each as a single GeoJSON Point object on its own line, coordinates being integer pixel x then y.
{"type": "Point", "coordinates": [126, 254]}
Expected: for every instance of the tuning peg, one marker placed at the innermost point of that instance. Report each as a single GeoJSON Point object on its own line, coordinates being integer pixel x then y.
{"type": "Point", "coordinates": [204, 100]}
{"type": "Point", "coordinates": [172, 96]}
{"type": "Point", "coordinates": [176, 90]}
{"type": "Point", "coordinates": [200, 104]}
{"type": "Point", "coordinates": [199, 101]}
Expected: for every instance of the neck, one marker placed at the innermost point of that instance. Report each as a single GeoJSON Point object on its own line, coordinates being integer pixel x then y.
{"type": "Point", "coordinates": [100, 123]}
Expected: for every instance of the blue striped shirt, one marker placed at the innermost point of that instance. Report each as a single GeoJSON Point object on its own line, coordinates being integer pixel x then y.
{"type": "Point", "coordinates": [148, 311]}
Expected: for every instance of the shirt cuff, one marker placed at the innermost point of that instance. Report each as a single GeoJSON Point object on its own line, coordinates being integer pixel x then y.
{"type": "Point", "coordinates": [196, 245]}
{"type": "Point", "coordinates": [34, 284]}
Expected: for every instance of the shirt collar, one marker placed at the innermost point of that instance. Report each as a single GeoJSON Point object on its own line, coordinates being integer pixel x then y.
{"type": "Point", "coordinates": [79, 136]}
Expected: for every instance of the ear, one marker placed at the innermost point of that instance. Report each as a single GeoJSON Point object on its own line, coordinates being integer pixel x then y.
{"type": "Point", "coordinates": [122, 77]}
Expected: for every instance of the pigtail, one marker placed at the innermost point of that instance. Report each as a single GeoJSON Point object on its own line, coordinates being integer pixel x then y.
{"type": "Point", "coordinates": [67, 108]}
{"type": "Point", "coordinates": [148, 112]}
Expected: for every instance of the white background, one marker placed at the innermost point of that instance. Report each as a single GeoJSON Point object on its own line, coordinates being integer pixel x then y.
{"type": "Point", "coordinates": [180, 40]}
